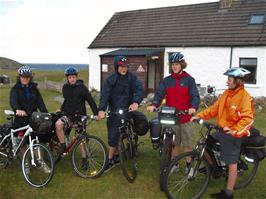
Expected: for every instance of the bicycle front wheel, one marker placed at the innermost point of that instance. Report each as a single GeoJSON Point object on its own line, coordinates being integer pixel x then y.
{"type": "Point", "coordinates": [38, 165]}
{"type": "Point", "coordinates": [183, 180]}
{"type": "Point", "coordinates": [127, 154]}
{"type": "Point", "coordinates": [4, 155]}
{"type": "Point", "coordinates": [89, 157]}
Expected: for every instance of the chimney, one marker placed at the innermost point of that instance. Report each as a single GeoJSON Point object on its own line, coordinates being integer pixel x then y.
{"type": "Point", "coordinates": [225, 4]}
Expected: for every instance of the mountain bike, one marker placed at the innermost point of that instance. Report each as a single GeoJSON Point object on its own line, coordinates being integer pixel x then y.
{"type": "Point", "coordinates": [89, 153]}
{"type": "Point", "coordinates": [192, 181]}
{"type": "Point", "coordinates": [127, 145]}
{"type": "Point", "coordinates": [168, 117]}
{"type": "Point", "coordinates": [37, 161]}
{"type": "Point", "coordinates": [210, 98]}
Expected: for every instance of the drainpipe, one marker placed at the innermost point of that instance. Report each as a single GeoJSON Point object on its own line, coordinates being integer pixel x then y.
{"type": "Point", "coordinates": [231, 56]}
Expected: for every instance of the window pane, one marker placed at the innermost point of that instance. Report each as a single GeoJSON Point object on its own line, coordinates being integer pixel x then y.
{"type": "Point", "coordinates": [257, 19]}
{"type": "Point", "coordinates": [248, 61]}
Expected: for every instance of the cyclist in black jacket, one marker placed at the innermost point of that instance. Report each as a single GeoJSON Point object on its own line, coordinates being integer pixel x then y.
{"type": "Point", "coordinates": [25, 97]}
{"type": "Point", "coordinates": [75, 94]}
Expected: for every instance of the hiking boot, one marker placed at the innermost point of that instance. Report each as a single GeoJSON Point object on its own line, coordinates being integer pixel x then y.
{"type": "Point", "coordinates": [175, 168]}
{"type": "Point", "coordinates": [116, 159]}
{"type": "Point", "coordinates": [27, 168]}
{"type": "Point", "coordinates": [109, 165]}
{"type": "Point", "coordinates": [62, 150]}
{"type": "Point", "coordinates": [222, 195]}
{"type": "Point", "coordinates": [45, 167]}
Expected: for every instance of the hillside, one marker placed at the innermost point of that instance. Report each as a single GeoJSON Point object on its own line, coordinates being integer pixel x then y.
{"type": "Point", "coordinates": [6, 63]}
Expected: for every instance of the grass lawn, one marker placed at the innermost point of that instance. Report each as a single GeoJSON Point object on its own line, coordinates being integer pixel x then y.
{"type": "Point", "coordinates": [65, 184]}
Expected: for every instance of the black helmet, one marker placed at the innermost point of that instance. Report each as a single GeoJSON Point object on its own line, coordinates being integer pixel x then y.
{"type": "Point", "coordinates": [25, 71]}
{"type": "Point", "coordinates": [71, 71]}
{"type": "Point", "coordinates": [176, 57]}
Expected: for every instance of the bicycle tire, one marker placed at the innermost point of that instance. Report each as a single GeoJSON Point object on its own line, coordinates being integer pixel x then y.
{"type": "Point", "coordinates": [198, 168]}
{"type": "Point", "coordinates": [165, 159]}
{"type": "Point", "coordinates": [244, 178]}
{"type": "Point", "coordinates": [127, 154]}
{"type": "Point", "coordinates": [96, 158]}
{"type": "Point", "coordinates": [43, 161]}
{"type": "Point", "coordinates": [4, 155]}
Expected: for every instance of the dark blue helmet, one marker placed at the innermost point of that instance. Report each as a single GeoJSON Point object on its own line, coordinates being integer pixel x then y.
{"type": "Point", "coordinates": [176, 57]}
{"type": "Point", "coordinates": [71, 71]}
{"type": "Point", "coordinates": [120, 61]}
{"type": "Point", "coordinates": [25, 71]}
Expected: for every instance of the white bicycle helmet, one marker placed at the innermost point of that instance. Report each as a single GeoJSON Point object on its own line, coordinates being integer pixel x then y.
{"type": "Point", "coordinates": [237, 72]}
{"type": "Point", "coordinates": [25, 71]}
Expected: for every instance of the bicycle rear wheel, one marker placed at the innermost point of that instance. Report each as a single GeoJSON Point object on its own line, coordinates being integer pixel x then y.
{"type": "Point", "coordinates": [4, 157]}
{"type": "Point", "coordinates": [246, 170]}
{"type": "Point", "coordinates": [89, 157]}
{"type": "Point", "coordinates": [38, 165]}
{"type": "Point", "coordinates": [127, 154]}
{"type": "Point", "coordinates": [183, 181]}
{"type": "Point", "coordinates": [165, 159]}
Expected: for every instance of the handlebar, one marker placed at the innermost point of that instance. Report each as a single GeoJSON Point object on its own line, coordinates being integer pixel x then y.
{"type": "Point", "coordinates": [206, 124]}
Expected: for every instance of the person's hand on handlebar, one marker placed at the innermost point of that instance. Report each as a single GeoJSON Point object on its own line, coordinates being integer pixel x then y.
{"type": "Point", "coordinates": [101, 115]}
{"type": "Point", "coordinates": [151, 108]}
{"type": "Point", "coordinates": [134, 106]}
{"type": "Point", "coordinates": [21, 113]}
{"type": "Point", "coordinates": [191, 111]}
{"type": "Point", "coordinates": [194, 118]}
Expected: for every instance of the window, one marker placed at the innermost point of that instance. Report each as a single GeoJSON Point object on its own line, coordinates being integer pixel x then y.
{"type": "Point", "coordinates": [251, 65]}
{"type": "Point", "coordinates": [257, 19]}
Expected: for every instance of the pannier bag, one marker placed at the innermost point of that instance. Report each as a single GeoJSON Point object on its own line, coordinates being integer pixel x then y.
{"type": "Point", "coordinates": [167, 115]}
{"type": "Point", "coordinates": [140, 122]}
{"type": "Point", "coordinates": [4, 130]}
{"type": "Point", "coordinates": [255, 144]}
{"type": "Point", "coordinates": [155, 132]}
{"type": "Point", "coordinates": [41, 122]}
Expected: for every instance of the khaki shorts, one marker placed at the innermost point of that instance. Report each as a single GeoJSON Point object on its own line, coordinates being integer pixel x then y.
{"type": "Point", "coordinates": [185, 134]}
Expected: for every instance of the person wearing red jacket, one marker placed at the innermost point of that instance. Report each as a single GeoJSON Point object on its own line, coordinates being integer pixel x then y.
{"type": "Point", "coordinates": [179, 90]}
{"type": "Point", "coordinates": [235, 114]}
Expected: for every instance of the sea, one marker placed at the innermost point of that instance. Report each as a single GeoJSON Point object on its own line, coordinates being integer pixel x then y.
{"type": "Point", "coordinates": [49, 66]}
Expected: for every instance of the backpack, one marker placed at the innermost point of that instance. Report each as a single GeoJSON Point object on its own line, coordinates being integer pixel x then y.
{"type": "Point", "coordinates": [255, 144]}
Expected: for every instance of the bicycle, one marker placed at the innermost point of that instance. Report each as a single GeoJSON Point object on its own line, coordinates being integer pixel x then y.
{"type": "Point", "coordinates": [89, 153]}
{"type": "Point", "coordinates": [127, 145]}
{"type": "Point", "coordinates": [210, 98]}
{"type": "Point", "coordinates": [37, 161]}
{"type": "Point", "coordinates": [192, 181]}
{"type": "Point", "coordinates": [168, 117]}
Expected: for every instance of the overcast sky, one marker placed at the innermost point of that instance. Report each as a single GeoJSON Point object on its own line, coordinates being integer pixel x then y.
{"type": "Point", "coordinates": [59, 31]}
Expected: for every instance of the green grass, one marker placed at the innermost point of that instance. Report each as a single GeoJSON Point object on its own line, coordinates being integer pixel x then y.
{"type": "Point", "coordinates": [66, 184]}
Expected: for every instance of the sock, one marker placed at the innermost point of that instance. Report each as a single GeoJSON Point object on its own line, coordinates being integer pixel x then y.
{"type": "Point", "coordinates": [188, 164]}
{"type": "Point", "coordinates": [228, 192]}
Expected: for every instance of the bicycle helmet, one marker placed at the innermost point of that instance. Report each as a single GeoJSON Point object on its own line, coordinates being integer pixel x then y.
{"type": "Point", "coordinates": [176, 57]}
{"type": "Point", "coordinates": [25, 71]}
{"type": "Point", "coordinates": [71, 71]}
{"type": "Point", "coordinates": [120, 61]}
{"type": "Point", "coordinates": [237, 72]}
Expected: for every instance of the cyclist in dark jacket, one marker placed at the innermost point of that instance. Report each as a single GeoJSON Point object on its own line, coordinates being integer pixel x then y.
{"type": "Point", "coordinates": [180, 91]}
{"type": "Point", "coordinates": [25, 97]}
{"type": "Point", "coordinates": [75, 95]}
{"type": "Point", "coordinates": [122, 90]}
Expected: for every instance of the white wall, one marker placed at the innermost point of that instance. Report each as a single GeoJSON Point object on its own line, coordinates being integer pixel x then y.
{"type": "Point", "coordinates": [258, 89]}
{"type": "Point", "coordinates": [205, 64]}
{"type": "Point", "coordinates": [95, 66]}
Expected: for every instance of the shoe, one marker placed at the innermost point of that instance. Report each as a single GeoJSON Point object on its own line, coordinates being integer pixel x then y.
{"type": "Point", "coordinates": [175, 168]}
{"type": "Point", "coordinates": [45, 167]}
{"type": "Point", "coordinates": [221, 195]}
{"type": "Point", "coordinates": [85, 164]}
{"type": "Point", "coordinates": [116, 159]}
{"type": "Point", "coordinates": [109, 165]}
{"type": "Point", "coordinates": [27, 168]}
{"type": "Point", "coordinates": [62, 150]}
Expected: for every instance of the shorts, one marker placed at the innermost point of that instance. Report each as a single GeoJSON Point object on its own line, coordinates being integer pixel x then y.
{"type": "Point", "coordinates": [67, 124]}
{"type": "Point", "coordinates": [184, 134]}
{"type": "Point", "coordinates": [230, 147]}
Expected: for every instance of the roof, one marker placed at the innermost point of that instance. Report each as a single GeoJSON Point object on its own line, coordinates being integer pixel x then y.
{"type": "Point", "coordinates": [183, 26]}
{"type": "Point", "coordinates": [135, 52]}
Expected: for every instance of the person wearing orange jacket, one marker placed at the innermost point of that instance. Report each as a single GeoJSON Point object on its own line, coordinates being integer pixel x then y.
{"type": "Point", "coordinates": [235, 114]}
